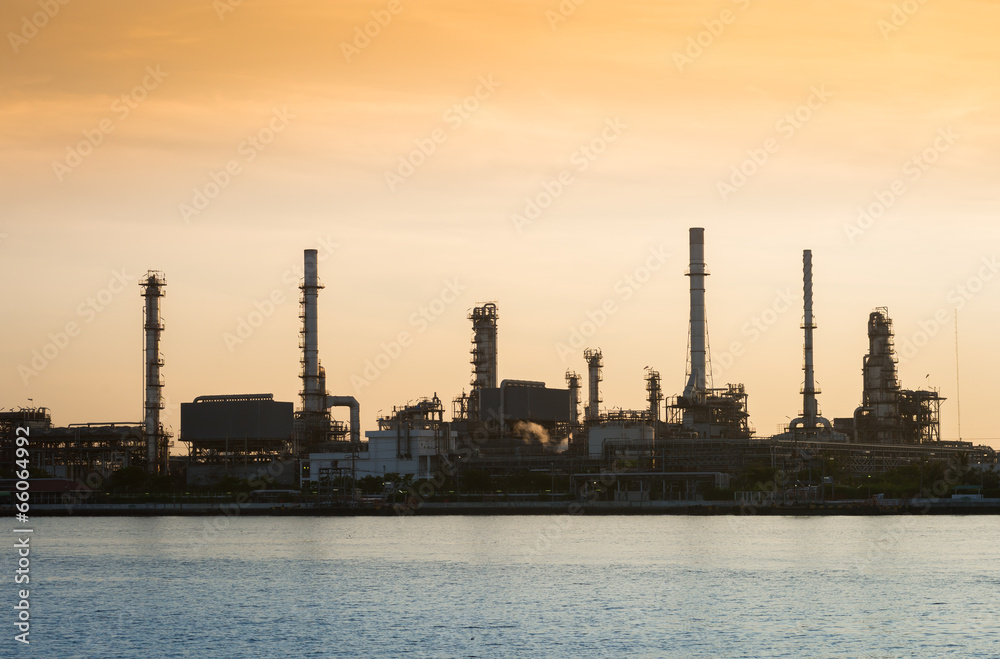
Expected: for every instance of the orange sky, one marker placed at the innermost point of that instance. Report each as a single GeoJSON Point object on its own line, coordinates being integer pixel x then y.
{"type": "Point", "coordinates": [199, 81]}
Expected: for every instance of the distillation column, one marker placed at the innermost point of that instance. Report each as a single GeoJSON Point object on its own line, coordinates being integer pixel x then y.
{"type": "Point", "coordinates": [880, 396]}
{"type": "Point", "coordinates": [573, 382]}
{"type": "Point", "coordinates": [153, 286]}
{"type": "Point", "coordinates": [484, 346]}
{"type": "Point", "coordinates": [594, 364]}
{"type": "Point", "coordinates": [484, 355]}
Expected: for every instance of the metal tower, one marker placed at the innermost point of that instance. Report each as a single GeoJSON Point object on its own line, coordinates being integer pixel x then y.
{"type": "Point", "coordinates": [573, 382]}
{"type": "Point", "coordinates": [810, 418]}
{"type": "Point", "coordinates": [654, 394]}
{"type": "Point", "coordinates": [594, 376]}
{"type": "Point", "coordinates": [881, 383]}
{"type": "Point", "coordinates": [153, 286]}
{"type": "Point", "coordinates": [484, 346]}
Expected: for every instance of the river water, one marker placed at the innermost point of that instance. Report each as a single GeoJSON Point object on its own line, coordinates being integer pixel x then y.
{"type": "Point", "coordinates": [572, 586]}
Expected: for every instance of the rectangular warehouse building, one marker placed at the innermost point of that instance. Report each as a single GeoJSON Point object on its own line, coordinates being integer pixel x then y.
{"type": "Point", "coordinates": [236, 423]}
{"type": "Point", "coordinates": [521, 400]}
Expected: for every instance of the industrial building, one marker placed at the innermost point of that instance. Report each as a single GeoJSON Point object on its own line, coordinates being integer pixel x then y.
{"type": "Point", "coordinates": [233, 436]}
{"type": "Point", "coordinates": [674, 447]}
{"type": "Point", "coordinates": [73, 451]}
{"type": "Point", "coordinates": [413, 439]}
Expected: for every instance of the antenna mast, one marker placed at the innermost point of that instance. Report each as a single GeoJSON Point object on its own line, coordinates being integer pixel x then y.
{"type": "Point", "coordinates": [958, 380]}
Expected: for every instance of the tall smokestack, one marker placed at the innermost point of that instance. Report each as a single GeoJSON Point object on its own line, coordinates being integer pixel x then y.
{"type": "Point", "coordinates": [153, 286]}
{"type": "Point", "coordinates": [594, 363]}
{"type": "Point", "coordinates": [313, 394]}
{"type": "Point", "coordinates": [810, 409]}
{"type": "Point", "coordinates": [698, 375]}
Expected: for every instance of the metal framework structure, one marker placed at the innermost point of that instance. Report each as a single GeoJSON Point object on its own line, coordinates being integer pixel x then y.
{"type": "Point", "coordinates": [654, 394]}
{"type": "Point", "coordinates": [33, 418]}
{"type": "Point", "coordinates": [89, 452]}
{"type": "Point", "coordinates": [718, 414]}
{"type": "Point", "coordinates": [425, 414]}
{"type": "Point", "coordinates": [920, 413]}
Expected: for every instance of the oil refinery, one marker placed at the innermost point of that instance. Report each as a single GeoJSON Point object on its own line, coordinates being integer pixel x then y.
{"type": "Point", "coordinates": [674, 448]}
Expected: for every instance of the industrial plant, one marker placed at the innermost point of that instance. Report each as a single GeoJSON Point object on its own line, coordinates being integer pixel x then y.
{"type": "Point", "coordinates": [675, 447]}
